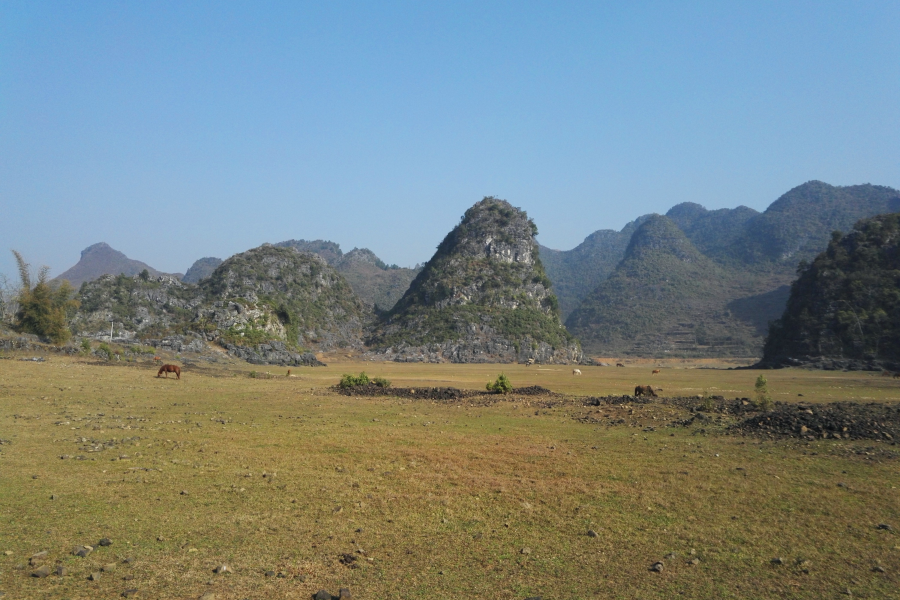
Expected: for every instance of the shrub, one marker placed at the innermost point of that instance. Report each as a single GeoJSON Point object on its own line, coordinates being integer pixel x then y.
{"type": "Point", "coordinates": [43, 310]}
{"type": "Point", "coordinates": [85, 345]}
{"type": "Point", "coordinates": [500, 386]}
{"type": "Point", "coordinates": [381, 382]}
{"type": "Point", "coordinates": [105, 350]}
{"type": "Point", "coordinates": [252, 374]}
{"type": "Point", "coordinates": [763, 400]}
{"type": "Point", "coordinates": [349, 381]}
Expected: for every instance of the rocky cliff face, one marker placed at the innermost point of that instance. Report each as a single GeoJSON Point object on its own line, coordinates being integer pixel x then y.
{"type": "Point", "coordinates": [483, 297]}
{"type": "Point", "coordinates": [281, 293]}
{"type": "Point", "coordinates": [844, 308]}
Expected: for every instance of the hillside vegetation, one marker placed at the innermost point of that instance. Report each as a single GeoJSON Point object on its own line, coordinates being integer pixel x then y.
{"type": "Point", "coordinates": [846, 304]}
{"type": "Point", "coordinates": [484, 291]}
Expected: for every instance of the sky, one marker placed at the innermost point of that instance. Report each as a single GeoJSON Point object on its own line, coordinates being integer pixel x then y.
{"type": "Point", "coordinates": [178, 130]}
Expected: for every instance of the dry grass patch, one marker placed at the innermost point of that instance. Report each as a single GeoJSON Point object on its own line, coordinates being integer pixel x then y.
{"type": "Point", "coordinates": [448, 500]}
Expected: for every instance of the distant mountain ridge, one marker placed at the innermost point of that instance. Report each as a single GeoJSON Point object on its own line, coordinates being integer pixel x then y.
{"type": "Point", "coordinates": [756, 252]}
{"type": "Point", "coordinates": [101, 259]}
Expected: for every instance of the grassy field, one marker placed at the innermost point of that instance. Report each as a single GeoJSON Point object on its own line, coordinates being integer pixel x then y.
{"type": "Point", "coordinates": [415, 499]}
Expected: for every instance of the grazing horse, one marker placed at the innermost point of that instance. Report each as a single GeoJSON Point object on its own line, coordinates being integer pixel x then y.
{"type": "Point", "coordinates": [885, 373]}
{"type": "Point", "coordinates": [156, 359]}
{"type": "Point", "coordinates": [619, 365]}
{"type": "Point", "coordinates": [644, 390]}
{"type": "Point", "coordinates": [289, 373]}
{"type": "Point", "coordinates": [576, 371]}
{"type": "Point", "coordinates": [529, 362]}
{"type": "Point", "coordinates": [655, 372]}
{"type": "Point", "coordinates": [896, 375]}
{"type": "Point", "coordinates": [170, 369]}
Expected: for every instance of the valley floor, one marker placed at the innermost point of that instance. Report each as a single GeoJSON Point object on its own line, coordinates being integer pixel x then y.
{"type": "Point", "coordinates": [297, 488]}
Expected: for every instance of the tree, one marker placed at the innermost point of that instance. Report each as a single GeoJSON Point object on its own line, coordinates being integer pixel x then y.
{"type": "Point", "coordinates": [43, 309]}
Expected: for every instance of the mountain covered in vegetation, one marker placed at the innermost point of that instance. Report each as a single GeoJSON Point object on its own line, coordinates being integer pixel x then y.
{"type": "Point", "coordinates": [101, 259]}
{"type": "Point", "coordinates": [201, 269]}
{"type": "Point", "coordinates": [483, 297]}
{"type": "Point", "coordinates": [755, 254]}
{"type": "Point", "coordinates": [844, 308]}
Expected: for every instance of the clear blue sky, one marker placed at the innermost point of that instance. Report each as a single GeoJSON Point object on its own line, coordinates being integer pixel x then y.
{"type": "Point", "coordinates": [174, 131]}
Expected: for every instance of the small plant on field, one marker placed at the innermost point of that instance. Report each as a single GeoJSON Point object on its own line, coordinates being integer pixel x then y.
{"type": "Point", "coordinates": [381, 382]}
{"type": "Point", "coordinates": [763, 399]}
{"type": "Point", "coordinates": [500, 386]}
{"type": "Point", "coordinates": [85, 346]}
{"type": "Point", "coordinates": [252, 374]}
{"type": "Point", "coordinates": [105, 350]}
{"type": "Point", "coordinates": [349, 381]}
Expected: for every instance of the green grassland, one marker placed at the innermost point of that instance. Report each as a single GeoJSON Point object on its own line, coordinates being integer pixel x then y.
{"type": "Point", "coordinates": [459, 499]}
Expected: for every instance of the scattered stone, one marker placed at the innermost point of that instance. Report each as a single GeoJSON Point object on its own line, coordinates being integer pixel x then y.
{"type": "Point", "coordinates": [222, 569]}
{"type": "Point", "coordinates": [885, 527]}
{"type": "Point", "coordinates": [94, 576]}
{"type": "Point", "coordinates": [160, 538]}
{"type": "Point", "coordinates": [777, 561]}
{"type": "Point", "coordinates": [657, 567]}
{"type": "Point", "coordinates": [347, 559]}
{"type": "Point", "coordinates": [322, 595]}
{"type": "Point", "coordinates": [344, 593]}
{"type": "Point", "coordinates": [41, 572]}
{"type": "Point", "coordinates": [37, 557]}
{"type": "Point", "coordinates": [270, 573]}
{"type": "Point", "coordinates": [670, 556]}
{"type": "Point", "coordinates": [7, 552]}
{"type": "Point", "coordinates": [82, 551]}
{"type": "Point", "coordinates": [130, 593]}
{"type": "Point", "coordinates": [184, 492]}
{"type": "Point", "coordinates": [53, 496]}
{"type": "Point", "coordinates": [592, 533]}
{"type": "Point", "coordinates": [108, 567]}
{"type": "Point", "coordinates": [878, 569]}
{"type": "Point", "coordinates": [525, 550]}
{"type": "Point", "coordinates": [105, 542]}
{"type": "Point", "coordinates": [694, 561]}
{"type": "Point", "coordinates": [208, 596]}
{"type": "Point", "coordinates": [61, 571]}
{"type": "Point", "coordinates": [537, 597]}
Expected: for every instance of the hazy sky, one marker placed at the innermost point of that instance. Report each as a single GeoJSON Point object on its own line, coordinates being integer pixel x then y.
{"type": "Point", "coordinates": [174, 131]}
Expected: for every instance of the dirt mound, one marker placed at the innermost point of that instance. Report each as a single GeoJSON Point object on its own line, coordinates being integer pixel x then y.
{"type": "Point", "coordinates": [434, 393]}
{"type": "Point", "coordinates": [844, 420]}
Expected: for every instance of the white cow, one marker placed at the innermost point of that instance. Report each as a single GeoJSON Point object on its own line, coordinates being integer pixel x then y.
{"type": "Point", "coordinates": [576, 371]}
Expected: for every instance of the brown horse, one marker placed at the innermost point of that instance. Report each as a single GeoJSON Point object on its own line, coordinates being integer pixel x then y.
{"type": "Point", "coordinates": [644, 390]}
{"type": "Point", "coordinates": [170, 369]}
{"type": "Point", "coordinates": [619, 365]}
{"type": "Point", "coordinates": [655, 372]}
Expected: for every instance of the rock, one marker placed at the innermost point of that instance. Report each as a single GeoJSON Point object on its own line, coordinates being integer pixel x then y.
{"type": "Point", "coordinates": [41, 572]}
{"type": "Point", "coordinates": [539, 597]}
{"type": "Point", "coordinates": [885, 527]}
{"type": "Point", "coordinates": [131, 593]}
{"type": "Point", "coordinates": [322, 595]}
{"type": "Point", "coordinates": [592, 533]}
{"type": "Point", "coordinates": [657, 567]}
{"type": "Point", "coordinates": [37, 557]}
{"type": "Point", "coordinates": [108, 567]}
{"type": "Point", "coordinates": [777, 561]}
{"type": "Point", "coordinates": [7, 552]}
{"type": "Point", "coordinates": [208, 596]}
{"type": "Point", "coordinates": [694, 561]}
{"type": "Point", "coordinates": [525, 550]}
{"type": "Point", "coordinates": [105, 542]}
{"type": "Point", "coordinates": [878, 569]}
{"type": "Point", "coordinates": [82, 550]}
{"type": "Point", "coordinates": [61, 571]}
{"type": "Point", "coordinates": [222, 569]}
{"type": "Point", "coordinates": [344, 593]}
{"type": "Point", "coordinates": [184, 492]}
{"type": "Point", "coordinates": [53, 496]}
{"type": "Point", "coordinates": [94, 576]}
{"type": "Point", "coordinates": [270, 573]}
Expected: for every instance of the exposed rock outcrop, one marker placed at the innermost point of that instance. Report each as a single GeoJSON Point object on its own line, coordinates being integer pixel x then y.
{"type": "Point", "coordinates": [483, 297]}
{"type": "Point", "coordinates": [201, 269]}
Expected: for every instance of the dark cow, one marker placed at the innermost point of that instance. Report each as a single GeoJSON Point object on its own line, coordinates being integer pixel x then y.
{"type": "Point", "coordinates": [644, 390]}
{"type": "Point", "coordinates": [619, 365]}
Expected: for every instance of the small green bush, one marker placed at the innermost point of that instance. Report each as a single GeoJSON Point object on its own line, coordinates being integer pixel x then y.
{"type": "Point", "coordinates": [104, 349]}
{"type": "Point", "coordinates": [85, 345]}
{"type": "Point", "coordinates": [381, 382]}
{"type": "Point", "coordinates": [349, 381]}
{"type": "Point", "coordinates": [500, 386]}
{"type": "Point", "coordinates": [252, 374]}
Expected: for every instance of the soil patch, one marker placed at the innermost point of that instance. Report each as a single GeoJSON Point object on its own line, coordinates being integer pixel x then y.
{"type": "Point", "coordinates": [436, 393]}
{"type": "Point", "coordinates": [838, 420]}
